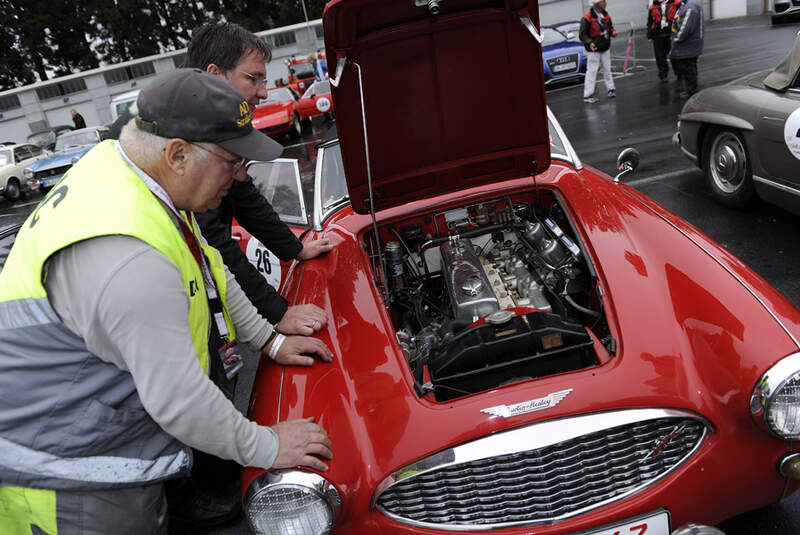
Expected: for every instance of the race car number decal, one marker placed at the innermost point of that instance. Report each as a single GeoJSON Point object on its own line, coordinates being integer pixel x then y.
{"type": "Point", "coordinates": [265, 262]}
{"type": "Point", "coordinates": [323, 104]}
{"type": "Point", "coordinates": [791, 133]}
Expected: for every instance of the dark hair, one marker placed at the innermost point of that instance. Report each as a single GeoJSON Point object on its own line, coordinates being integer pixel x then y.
{"type": "Point", "coordinates": [223, 44]}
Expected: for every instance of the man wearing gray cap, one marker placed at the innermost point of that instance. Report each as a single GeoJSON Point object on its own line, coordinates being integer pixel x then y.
{"type": "Point", "coordinates": [106, 303]}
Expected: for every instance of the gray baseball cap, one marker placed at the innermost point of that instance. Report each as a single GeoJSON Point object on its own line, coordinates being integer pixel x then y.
{"type": "Point", "coordinates": [194, 105]}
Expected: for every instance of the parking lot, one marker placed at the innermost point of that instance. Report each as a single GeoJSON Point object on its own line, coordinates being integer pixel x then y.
{"type": "Point", "coordinates": [644, 116]}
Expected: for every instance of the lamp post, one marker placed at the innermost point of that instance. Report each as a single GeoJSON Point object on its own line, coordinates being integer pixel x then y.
{"type": "Point", "coordinates": [312, 37]}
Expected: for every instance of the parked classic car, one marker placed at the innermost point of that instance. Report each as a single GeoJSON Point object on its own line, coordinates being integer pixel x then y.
{"type": "Point", "coordinates": [14, 158]}
{"type": "Point", "coordinates": [277, 114]}
{"type": "Point", "coordinates": [44, 173]}
{"type": "Point", "coordinates": [316, 101]}
{"type": "Point", "coordinates": [564, 58]}
{"type": "Point", "coordinates": [522, 343]}
{"type": "Point", "coordinates": [46, 138]}
{"type": "Point", "coordinates": [784, 10]}
{"type": "Point", "coordinates": [745, 135]}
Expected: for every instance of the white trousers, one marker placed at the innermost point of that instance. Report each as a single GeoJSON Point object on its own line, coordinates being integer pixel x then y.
{"type": "Point", "coordinates": [593, 61]}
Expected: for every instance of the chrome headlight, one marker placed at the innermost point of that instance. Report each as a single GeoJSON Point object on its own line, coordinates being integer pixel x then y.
{"type": "Point", "coordinates": [27, 173]}
{"type": "Point", "coordinates": [75, 159]}
{"type": "Point", "coordinates": [775, 402]}
{"type": "Point", "coordinates": [292, 501]}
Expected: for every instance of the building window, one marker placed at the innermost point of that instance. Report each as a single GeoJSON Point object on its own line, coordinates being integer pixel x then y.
{"type": "Point", "coordinates": [277, 40]}
{"type": "Point", "coordinates": [60, 89]}
{"type": "Point", "coordinates": [130, 72]}
{"type": "Point", "coordinates": [9, 102]}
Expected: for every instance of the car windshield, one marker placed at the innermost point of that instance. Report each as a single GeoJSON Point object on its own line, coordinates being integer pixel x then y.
{"type": "Point", "coordinates": [323, 87]}
{"type": "Point", "coordinates": [277, 182]}
{"type": "Point", "coordinates": [552, 36]}
{"type": "Point", "coordinates": [303, 70]}
{"type": "Point", "coordinates": [278, 95]}
{"type": "Point", "coordinates": [5, 157]}
{"type": "Point", "coordinates": [333, 184]}
{"type": "Point", "coordinates": [76, 140]}
{"type": "Point", "coordinates": [42, 138]}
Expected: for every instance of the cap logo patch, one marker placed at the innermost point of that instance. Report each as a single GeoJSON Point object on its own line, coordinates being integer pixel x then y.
{"type": "Point", "coordinates": [244, 114]}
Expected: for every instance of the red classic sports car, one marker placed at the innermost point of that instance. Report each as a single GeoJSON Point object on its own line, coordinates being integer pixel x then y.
{"type": "Point", "coordinates": [523, 345]}
{"type": "Point", "coordinates": [316, 101]}
{"type": "Point", "coordinates": [277, 114]}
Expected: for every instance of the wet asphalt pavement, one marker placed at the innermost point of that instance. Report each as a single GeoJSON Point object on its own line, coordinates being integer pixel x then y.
{"type": "Point", "coordinates": [644, 116]}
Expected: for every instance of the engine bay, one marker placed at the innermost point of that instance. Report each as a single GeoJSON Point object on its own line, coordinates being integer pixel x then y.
{"type": "Point", "coordinates": [490, 294]}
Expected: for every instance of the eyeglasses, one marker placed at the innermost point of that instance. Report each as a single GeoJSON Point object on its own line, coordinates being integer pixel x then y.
{"type": "Point", "coordinates": [235, 163]}
{"type": "Point", "coordinates": [255, 80]}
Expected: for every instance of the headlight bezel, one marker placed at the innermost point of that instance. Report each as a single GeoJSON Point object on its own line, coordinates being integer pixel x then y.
{"type": "Point", "coordinates": [767, 389]}
{"type": "Point", "coordinates": [296, 479]}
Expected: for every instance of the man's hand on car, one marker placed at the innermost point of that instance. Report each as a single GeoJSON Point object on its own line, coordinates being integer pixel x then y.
{"type": "Point", "coordinates": [314, 248]}
{"type": "Point", "coordinates": [297, 351]}
{"type": "Point", "coordinates": [302, 443]}
{"type": "Point", "coordinates": [302, 319]}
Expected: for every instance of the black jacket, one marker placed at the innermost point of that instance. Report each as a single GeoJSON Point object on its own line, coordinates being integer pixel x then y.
{"type": "Point", "coordinates": [78, 121]}
{"type": "Point", "coordinates": [245, 203]}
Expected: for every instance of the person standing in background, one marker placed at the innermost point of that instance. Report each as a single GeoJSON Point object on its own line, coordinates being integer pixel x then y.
{"type": "Point", "coordinates": [595, 34]}
{"type": "Point", "coordinates": [77, 119]}
{"type": "Point", "coordinates": [687, 44]}
{"type": "Point", "coordinates": [660, 14]}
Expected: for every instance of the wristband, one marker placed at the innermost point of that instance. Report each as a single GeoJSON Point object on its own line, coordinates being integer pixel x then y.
{"type": "Point", "coordinates": [276, 345]}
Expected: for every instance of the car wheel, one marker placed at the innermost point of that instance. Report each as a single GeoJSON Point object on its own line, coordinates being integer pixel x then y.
{"type": "Point", "coordinates": [44, 189]}
{"type": "Point", "coordinates": [297, 128]}
{"type": "Point", "coordinates": [13, 191]}
{"type": "Point", "coordinates": [726, 164]}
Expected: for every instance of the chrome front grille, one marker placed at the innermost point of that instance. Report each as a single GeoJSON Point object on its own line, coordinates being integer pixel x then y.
{"type": "Point", "coordinates": [544, 484]}
{"type": "Point", "coordinates": [54, 171]}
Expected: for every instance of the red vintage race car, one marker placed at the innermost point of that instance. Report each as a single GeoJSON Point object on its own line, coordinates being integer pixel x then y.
{"type": "Point", "coordinates": [522, 343]}
{"type": "Point", "coordinates": [303, 70]}
{"type": "Point", "coordinates": [316, 101]}
{"type": "Point", "coordinates": [277, 114]}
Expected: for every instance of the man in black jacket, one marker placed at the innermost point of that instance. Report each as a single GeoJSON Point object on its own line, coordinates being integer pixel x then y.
{"type": "Point", "coordinates": [238, 56]}
{"type": "Point", "coordinates": [230, 51]}
{"type": "Point", "coordinates": [77, 119]}
{"type": "Point", "coordinates": [660, 14]}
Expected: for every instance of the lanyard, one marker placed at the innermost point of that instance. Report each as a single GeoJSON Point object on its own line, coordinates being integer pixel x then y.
{"type": "Point", "coordinates": [214, 301]}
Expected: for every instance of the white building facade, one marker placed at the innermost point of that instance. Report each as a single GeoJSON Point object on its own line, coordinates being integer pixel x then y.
{"type": "Point", "coordinates": [33, 107]}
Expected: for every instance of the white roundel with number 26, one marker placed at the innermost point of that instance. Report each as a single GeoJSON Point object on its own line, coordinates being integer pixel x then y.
{"type": "Point", "coordinates": [265, 262]}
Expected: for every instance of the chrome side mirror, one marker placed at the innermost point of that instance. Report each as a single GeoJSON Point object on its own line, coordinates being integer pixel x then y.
{"type": "Point", "coordinates": [627, 161]}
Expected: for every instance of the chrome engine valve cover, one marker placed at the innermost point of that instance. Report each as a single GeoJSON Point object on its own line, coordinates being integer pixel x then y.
{"type": "Point", "coordinates": [470, 291]}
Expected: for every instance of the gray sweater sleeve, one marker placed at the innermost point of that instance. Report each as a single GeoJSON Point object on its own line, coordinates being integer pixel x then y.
{"type": "Point", "coordinates": [127, 301]}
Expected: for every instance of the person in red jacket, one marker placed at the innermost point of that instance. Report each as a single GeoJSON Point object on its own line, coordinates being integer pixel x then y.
{"type": "Point", "coordinates": [595, 34]}
{"type": "Point", "coordinates": [660, 14]}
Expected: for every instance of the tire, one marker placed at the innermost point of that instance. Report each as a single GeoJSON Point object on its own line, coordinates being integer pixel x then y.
{"type": "Point", "coordinates": [44, 189]}
{"type": "Point", "coordinates": [297, 127]}
{"type": "Point", "coordinates": [726, 164]}
{"type": "Point", "coordinates": [13, 191]}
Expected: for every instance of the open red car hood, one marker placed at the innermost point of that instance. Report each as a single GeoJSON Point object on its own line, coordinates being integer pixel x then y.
{"type": "Point", "coordinates": [447, 101]}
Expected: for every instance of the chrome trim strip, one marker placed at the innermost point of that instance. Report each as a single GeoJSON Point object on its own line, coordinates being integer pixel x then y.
{"type": "Point", "coordinates": [528, 24]}
{"type": "Point", "coordinates": [317, 216]}
{"type": "Point", "coordinates": [530, 437]}
{"type": "Point", "coordinates": [688, 154]}
{"type": "Point", "coordinates": [726, 268]}
{"type": "Point", "coordinates": [782, 187]}
{"type": "Point", "coordinates": [339, 70]}
{"type": "Point", "coordinates": [571, 154]}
